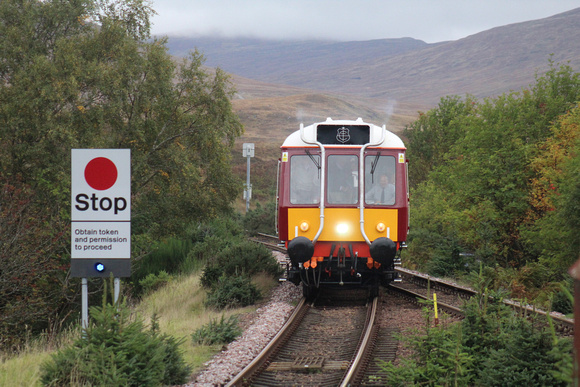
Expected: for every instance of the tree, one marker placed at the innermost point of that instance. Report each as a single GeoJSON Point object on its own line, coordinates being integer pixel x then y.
{"type": "Point", "coordinates": [434, 133]}
{"type": "Point", "coordinates": [476, 194]}
{"type": "Point", "coordinates": [555, 196]}
{"type": "Point", "coordinates": [85, 74]}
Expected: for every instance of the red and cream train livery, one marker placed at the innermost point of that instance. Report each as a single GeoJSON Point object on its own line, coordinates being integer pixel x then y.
{"type": "Point", "coordinates": [343, 203]}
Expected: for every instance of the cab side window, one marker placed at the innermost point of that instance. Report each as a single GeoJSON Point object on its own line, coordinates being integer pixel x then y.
{"type": "Point", "coordinates": [380, 182]}
{"type": "Point", "coordinates": [304, 179]}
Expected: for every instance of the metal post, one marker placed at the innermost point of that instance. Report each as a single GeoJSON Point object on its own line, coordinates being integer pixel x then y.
{"type": "Point", "coordinates": [248, 152]}
{"type": "Point", "coordinates": [117, 283]}
{"type": "Point", "coordinates": [85, 304]}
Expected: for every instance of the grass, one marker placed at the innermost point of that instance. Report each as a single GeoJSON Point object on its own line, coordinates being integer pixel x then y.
{"type": "Point", "coordinates": [179, 309]}
{"type": "Point", "coordinates": [23, 370]}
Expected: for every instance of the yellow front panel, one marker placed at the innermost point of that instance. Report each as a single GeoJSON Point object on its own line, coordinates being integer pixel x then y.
{"type": "Point", "coordinates": [342, 224]}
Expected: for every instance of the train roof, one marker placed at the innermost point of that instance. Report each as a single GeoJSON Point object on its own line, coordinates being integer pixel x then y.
{"type": "Point", "coordinates": [344, 133]}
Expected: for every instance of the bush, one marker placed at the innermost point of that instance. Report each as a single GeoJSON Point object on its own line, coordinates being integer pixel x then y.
{"type": "Point", "coordinates": [562, 303]}
{"type": "Point", "coordinates": [115, 351]}
{"type": "Point", "coordinates": [438, 359]}
{"type": "Point", "coordinates": [244, 258]}
{"type": "Point", "coordinates": [248, 258]}
{"type": "Point", "coordinates": [490, 347]}
{"type": "Point", "coordinates": [166, 256]}
{"type": "Point", "coordinates": [262, 219]}
{"type": "Point", "coordinates": [154, 281]}
{"type": "Point", "coordinates": [210, 276]}
{"type": "Point", "coordinates": [232, 292]}
{"type": "Point", "coordinates": [209, 239]}
{"type": "Point", "coordinates": [222, 332]}
{"type": "Point", "coordinates": [532, 358]}
{"type": "Point", "coordinates": [447, 260]}
{"type": "Point", "coordinates": [221, 228]}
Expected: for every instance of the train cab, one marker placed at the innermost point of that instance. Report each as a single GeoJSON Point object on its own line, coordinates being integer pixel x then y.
{"type": "Point", "coordinates": [343, 204]}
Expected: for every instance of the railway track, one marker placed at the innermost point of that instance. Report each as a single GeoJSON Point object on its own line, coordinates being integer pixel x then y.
{"type": "Point", "coordinates": [330, 342]}
{"type": "Point", "coordinates": [450, 296]}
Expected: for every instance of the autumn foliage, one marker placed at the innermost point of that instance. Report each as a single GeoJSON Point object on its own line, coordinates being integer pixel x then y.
{"type": "Point", "coordinates": [87, 74]}
{"type": "Point", "coordinates": [496, 182]}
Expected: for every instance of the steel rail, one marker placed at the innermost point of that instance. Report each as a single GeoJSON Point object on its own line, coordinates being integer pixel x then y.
{"type": "Point", "coordinates": [563, 324]}
{"type": "Point", "coordinates": [286, 331]}
{"type": "Point", "coordinates": [363, 347]}
{"type": "Point", "coordinates": [450, 309]}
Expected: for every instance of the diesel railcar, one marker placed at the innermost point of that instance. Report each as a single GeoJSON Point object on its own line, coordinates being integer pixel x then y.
{"type": "Point", "coordinates": [342, 204]}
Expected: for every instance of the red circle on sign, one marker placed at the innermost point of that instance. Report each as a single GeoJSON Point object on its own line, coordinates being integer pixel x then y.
{"type": "Point", "coordinates": [101, 173]}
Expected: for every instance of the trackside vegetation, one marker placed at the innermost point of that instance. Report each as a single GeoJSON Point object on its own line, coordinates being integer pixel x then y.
{"type": "Point", "coordinates": [176, 319]}
{"type": "Point", "coordinates": [495, 190]}
{"type": "Point", "coordinates": [88, 74]}
{"type": "Point", "coordinates": [492, 346]}
{"type": "Point", "coordinates": [496, 182]}
{"type": "Point", "coordinates": [117, 349]}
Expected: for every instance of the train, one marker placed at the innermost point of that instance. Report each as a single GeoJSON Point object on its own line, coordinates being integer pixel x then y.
{"type": "Point", "coordinates": [342, 204]}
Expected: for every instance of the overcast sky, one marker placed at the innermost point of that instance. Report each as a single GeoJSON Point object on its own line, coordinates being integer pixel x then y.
{"type": "Point", "coordinates": [428, 20]}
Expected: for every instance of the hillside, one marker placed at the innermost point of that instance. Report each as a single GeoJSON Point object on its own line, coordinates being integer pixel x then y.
{"type": "Point", "coordinates": [485, 64]}
{"type": "Point", "coordinates": [271, 61]}
{"type": "Point", "coordinates": [283, 83]}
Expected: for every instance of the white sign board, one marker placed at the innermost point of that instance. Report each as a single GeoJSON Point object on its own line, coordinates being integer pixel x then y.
{"type": "Point", "coordinates": [101, 203]}
{"type": "Point", "coordinates": [248, 149]}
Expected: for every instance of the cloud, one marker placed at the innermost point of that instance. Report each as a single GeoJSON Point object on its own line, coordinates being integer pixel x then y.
{"type": "Point", "coordinates": [345, 20]}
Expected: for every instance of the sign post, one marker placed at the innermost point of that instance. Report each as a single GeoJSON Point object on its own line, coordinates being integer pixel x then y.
{"type": "Point", "coordinates": [248, 151]}
{"type": "Point", "coordinates": [100, 216]}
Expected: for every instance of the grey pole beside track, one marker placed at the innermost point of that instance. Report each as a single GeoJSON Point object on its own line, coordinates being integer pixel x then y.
{"type": "Point", "coordinates": [248, 152]}
{"type": "Point", "coordinates": [117, 288]}
{"type": "Point", "coordinates": [85, 304]}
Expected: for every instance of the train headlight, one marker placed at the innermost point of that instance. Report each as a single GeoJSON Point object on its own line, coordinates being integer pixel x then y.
{"type": "Point", "coordinates": [381, 227]}
{"type": "Point", "coordinates": [342, 228]}
{"type": "Point", "coordinates": [304, 226]}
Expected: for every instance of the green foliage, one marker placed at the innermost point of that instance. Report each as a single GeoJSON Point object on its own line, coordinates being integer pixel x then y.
{"type": "Point", "coordinates": [153, 282]}
{"type": "Point", "coordinates": [248, 258]}
{"type": "Point", "coordinates": [490, 347]}
{"type": "Point", "coordinates": [439, 360]}
{"type": "Point", "coordinates": [224, 248]}
{"type": "Point", "coordinates": [435, 133]}
{"type": "Point", "coordinates": [563, 301]}
{"type": "Point", "coordinates": [217, 332]}
{"type": "Point", "coordinates": [86, 74]}
{"type": "Point", "coordinates": [448, 260]}
{"type": "Point", "coordinates": [33, 264]}
{"type": "Point", "coordinates": [555, 236]}
{"type": "Point", "coordinates": [212, 236]}
{"type": "Point", "coordinates": [526, 357]}
{"type": "Point", "coordinates": [476, 178]}
{"type": "Point", "coordinates": [233, 292]}
{"type": "Point", "coordinates": [167, 256]}
{"type": "Point", "coordinates": [210, 276]}
{"type": "Point", "coordinates": [261, 219]}
{"type": "Point", "coordinates": [115, 350]}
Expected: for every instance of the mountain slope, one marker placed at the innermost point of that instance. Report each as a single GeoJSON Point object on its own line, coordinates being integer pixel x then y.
{"type": "Point", "coordinates": [485, 64]}
{"type": "Point", "coordinates": [268, 60]}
